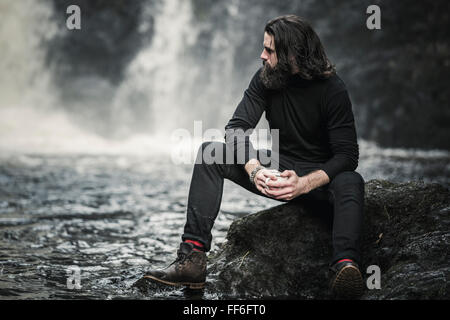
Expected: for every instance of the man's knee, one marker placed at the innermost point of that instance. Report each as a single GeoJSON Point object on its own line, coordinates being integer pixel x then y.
{"type": "Point", "coordinates": [211, 152]}
{"type": "Point", "coordinates": [211, 144]}
{"type": "Point", "coordinates": [348, 190]}
{"type": "Point", "coordinates": [348, 178]}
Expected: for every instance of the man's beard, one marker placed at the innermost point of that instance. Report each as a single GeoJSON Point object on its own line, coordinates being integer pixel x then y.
{"type": "Point", "coordinates": [274, 78]}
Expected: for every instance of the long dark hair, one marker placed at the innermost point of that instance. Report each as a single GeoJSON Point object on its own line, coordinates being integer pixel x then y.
{"type": "Point", "coordinates": [298, 45]}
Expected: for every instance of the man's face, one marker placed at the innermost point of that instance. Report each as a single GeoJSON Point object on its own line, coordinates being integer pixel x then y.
{"type": "Point", "coordinates": [269, 54]}
{"type": "Point", "coordinates": [274, 75]}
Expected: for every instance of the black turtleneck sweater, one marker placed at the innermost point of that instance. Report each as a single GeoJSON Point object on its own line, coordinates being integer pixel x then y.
{"type": "Point", "coordinates": [314, 118]}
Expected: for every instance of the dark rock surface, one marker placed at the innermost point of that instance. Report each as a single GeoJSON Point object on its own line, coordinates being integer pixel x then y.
{"type": "Point", "coordinates": [283, 252]}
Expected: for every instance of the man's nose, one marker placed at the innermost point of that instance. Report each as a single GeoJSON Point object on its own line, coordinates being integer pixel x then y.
{"type": "Point", "coordinates": [264, 56]}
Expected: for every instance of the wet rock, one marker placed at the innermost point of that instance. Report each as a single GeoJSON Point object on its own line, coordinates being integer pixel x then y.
{"type": "Point", "coordinates": [284, 252]}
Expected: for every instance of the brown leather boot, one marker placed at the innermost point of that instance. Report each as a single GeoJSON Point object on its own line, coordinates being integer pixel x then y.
{"type": "Point", "coordinates": [346, 281]}
{"type": "Point", "coordinates": [189, 269]}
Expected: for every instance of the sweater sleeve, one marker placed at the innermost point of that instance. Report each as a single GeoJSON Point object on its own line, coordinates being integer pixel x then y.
{"type": "Point", "coordinates": [244, 120]}
{"type": "Point", "coordinates": [341, 135]}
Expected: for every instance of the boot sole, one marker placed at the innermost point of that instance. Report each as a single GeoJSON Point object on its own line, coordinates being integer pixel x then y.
{"type": "Point", "coordinates": [191, 285]}
{"type": "Point", "coordinates": [348, 283]}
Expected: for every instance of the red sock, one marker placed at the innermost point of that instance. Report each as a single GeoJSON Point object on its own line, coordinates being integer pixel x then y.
{"type": "Point", "coordinates": [342, 260]}
{"type": "Point", "coordinates": [197, 245]}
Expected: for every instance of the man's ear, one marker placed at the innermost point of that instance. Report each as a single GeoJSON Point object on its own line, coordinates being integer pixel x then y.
{"type": "Point", "coordinates": [293, 64]}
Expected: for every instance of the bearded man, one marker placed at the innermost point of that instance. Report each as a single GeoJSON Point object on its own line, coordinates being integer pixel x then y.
{"type": "Point", "coordinates": [308, 103]}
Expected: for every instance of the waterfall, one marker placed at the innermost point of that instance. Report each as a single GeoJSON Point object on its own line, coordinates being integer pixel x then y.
{"type": "Point", "coordinates": [28, 119]}
{"type": "Point", "coordinates": [35, 118]}
{"type": "Point", "coordinates": [138, 71]}
{"type": "Point", "coordinates": [159, 73]}
{"type": "Point", "coordinates": [186, 73]}
{"type": "Point", "coordinates": [23, 79]}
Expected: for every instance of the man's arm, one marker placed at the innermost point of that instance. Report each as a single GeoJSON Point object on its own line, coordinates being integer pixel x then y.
{"type": "Point", "coordinates": [245, 118]}
{"type": "Point", "coordinates": [251, 165]}
{"type": "Point", "coordinates": [316, 179]}
{"type": "Point", "coordinates": [341, 135]}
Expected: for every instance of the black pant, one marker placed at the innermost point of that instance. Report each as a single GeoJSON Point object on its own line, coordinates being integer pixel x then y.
{"type": "Point", "coordinates": [345, 193]}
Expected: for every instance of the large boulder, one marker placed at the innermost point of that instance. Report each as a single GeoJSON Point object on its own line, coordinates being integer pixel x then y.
{"type": "Point", "coordinates": [284, 252]}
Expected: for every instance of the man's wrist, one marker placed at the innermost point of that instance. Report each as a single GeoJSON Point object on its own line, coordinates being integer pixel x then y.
{"type": "Point", "coordinates": [306, 181]}
{"type": "Point", "coordinates": [254, 172]}
{"type": "Point", "coordinates": [251, 165]}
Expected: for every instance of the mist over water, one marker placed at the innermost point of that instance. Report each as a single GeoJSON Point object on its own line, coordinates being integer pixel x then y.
{"type": "Point", "coordinates": [48, 106]}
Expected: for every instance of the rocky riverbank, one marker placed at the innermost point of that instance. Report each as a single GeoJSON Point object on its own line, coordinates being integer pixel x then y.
{"type": "Point", "coordinates": [283, 252]}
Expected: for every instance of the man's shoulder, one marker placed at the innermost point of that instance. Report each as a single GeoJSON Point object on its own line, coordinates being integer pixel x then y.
{"type": "Point", "coordinates": [334, 85]}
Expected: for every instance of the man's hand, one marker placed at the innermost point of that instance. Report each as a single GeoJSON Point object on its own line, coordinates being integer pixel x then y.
{"type": "Point", "coordinates": [262, 178]}
{"type": "Point", "coordinates": [287, 189]}
{"type": "Point", "coordinates": [295, 185]}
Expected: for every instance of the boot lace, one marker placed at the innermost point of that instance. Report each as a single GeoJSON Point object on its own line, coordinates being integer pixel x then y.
{"type": "Point", "coordinates": [181, 257]}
